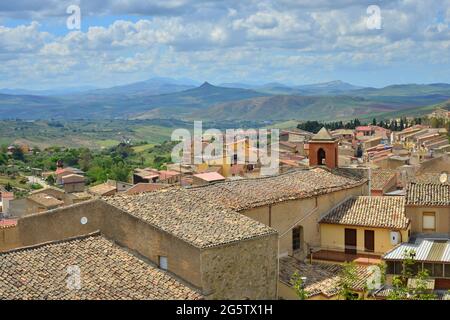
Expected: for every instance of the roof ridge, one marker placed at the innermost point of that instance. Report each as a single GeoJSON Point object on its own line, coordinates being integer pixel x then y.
{"type": "Point", "coordinates": [47, 243]}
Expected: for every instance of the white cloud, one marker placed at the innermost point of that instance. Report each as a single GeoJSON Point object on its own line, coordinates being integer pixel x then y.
{"type": "Point", "coordinates": [222, 39]}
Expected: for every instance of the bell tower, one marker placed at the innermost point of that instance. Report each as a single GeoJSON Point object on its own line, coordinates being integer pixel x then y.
{"type": "Point", "coordinates": [323, 150]}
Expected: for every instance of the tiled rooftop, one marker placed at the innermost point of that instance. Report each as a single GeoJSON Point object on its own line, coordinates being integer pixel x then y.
{"type": "Point", "coordinates": [107, 272]}
{"type": "Point", "coordinates": [296, 184]}
{"type": "Point", "coordinates": [321, 278]}
{"type": "Point", "coordinates": [7, 223]}
{"type": "Point", "coordinates": [146, 187]}
{"type": "Point", "coordinates": [102, 189]}
{"type": "Point", "coordinates": [428, 194]}
{"type": "Point", "coordinates": [198, 221]}
{"type": "Point", "coordinates": [381, 177]}
{"type": "Point", "coordinates": [379, 212]}
{"type": "Point", "coordinates": [45, 200]}
{"type": "Point", "coordinates": [429, 177]}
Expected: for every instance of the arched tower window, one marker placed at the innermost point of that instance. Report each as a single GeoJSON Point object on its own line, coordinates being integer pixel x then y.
{"type": "Point", "coordinates": [321, 156]}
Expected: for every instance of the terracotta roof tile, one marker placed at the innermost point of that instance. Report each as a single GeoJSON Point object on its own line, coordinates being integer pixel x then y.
{"type": "Point", "coordinates": [321, 278]}
{"type": "Point", "coordinates": [102, 189]}
{"type": "Point", "coordinates": [381, 177]}
{"type": "Point", "coordinates": [107, 272]}
{"type": "Point", "coordinates": [45, 200]}
{"type": "Point", "coordinates": [377, 212]}
{"type": "Point", "coordinates": [146, 187]}
{"type": "Point", "coordinates": [295, 184]}
{"type": "Point", "coordinates": [428, 194]}
{"type": "Point", "coordinates": [195, 220]}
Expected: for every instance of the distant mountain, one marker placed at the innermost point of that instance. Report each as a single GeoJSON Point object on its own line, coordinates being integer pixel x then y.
{"type": "Point", "coordinates": [50, 92]}
{"type": "Point", "coordinates": [285, 107]}
{"type": "Point", "coordinates": [183, 103]}
{"type": "Point", "coordinates": [111, 104]}
{"type": "Point", "coordinates": [416, 111]}
{"type": "Point", "coordinates": [153, 86]}
{"type": "Point", "coordinates": [272, 101]}
{"type": "Point", "coordinates": [328, 88]}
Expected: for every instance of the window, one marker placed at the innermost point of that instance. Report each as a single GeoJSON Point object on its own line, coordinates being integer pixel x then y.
{"type": "Point", "coordinates": [390, 267]}
{"type": "Point", "coordinates": [429, 221]}
{"type": "Point", "coordinates": [447, 270]}
{"type": "Point", "coordinates": [163, 262]}
{"type": "Point", "coordinates": [398, 265]}
{"type": "Point", "coordinates": [428, 267]}
{"type": "Point", "coordinates": [296, 238]}
{"type": "Point", "coordinates": [438, 270]}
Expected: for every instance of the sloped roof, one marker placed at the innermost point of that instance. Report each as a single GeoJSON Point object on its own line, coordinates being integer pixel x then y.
{"type": "Point", "coordinates": [107, 272]}
{"type": "Point", "coordinates": [292, 185]}
{"type": "Point", "coordinates": [45, 200]}
{"type": "Point", "coordinates": [428, 194]}
{"type": "Point", "coordinates": [381, 177]}
{"type": "Point", "coordinates": [193, 219]}
{"type": "Point", "coordinates": [210, 176]}
{"type": "Point", "coordinates": [377, 212]}
{"type": "Point", "coordinates": [429, 250]}
{"type": "Point", "coordinates": [323, 135]}
{"type": "Point", "coordinates": [321, 278]}
{"type": "Point", "coordinates": [102, 189]}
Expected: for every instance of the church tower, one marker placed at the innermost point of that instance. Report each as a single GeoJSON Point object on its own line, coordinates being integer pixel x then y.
{"type": "Point", "coordinates": [323, 150]}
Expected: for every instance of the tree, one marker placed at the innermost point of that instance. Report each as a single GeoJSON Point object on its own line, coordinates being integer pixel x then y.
{"type": "Point", "coordinates": [400, 290]}
{"type": "Point", "coordinates": [347, 278]}
{"type": "Point", "coordinates": [374, 121]}
{"type": "Point", "coordinates": [51, 180]}
{"type": "Point", "coordinates": [3, 159]}
{"type": "Point", "coordinates": [85, 159]}
{"type": "Point", "coordinates": [298, 284]}
{"type": "Point", "coordinates": [421, 291]}
{"type": "Point", "coordinates": [17, 154]}
{"type": "Point", "coordinates": [120, 172]}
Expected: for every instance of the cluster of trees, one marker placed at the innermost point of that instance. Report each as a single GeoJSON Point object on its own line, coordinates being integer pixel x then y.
{"type": "Point", "coordinates": [114, 163]}
{"type": "Point", "coordinates": [315, 126]}
{"type": "Point", "coordinates": [99, 166]}
{"type": "Point", "coordinates": [393, 124]}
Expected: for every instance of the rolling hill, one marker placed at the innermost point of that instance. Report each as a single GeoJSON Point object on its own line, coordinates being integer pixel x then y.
{"type": "Point", "coordinates": [283, 107]}
{"type": "Point", "coordinates": [272, 101]}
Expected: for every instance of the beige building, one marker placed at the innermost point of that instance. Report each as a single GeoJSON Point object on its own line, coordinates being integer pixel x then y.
{"type": "Point", "coordinates": [292, 203]}
{"type": "Point", "coordinates": [365, 225]}
{"type": "Point", "coordinates": [428, 207]}
{"type": "Point", "coordinates": [194, 240]}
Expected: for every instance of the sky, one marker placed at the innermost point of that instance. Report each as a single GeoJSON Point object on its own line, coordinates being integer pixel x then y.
{"type": "Point", "coordinates": [367, 43]}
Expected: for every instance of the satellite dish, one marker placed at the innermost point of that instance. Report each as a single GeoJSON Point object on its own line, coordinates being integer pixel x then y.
{"type": "Point", "coordinates": [443, 178]}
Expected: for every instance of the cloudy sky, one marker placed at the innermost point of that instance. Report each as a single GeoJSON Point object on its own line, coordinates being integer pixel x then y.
{"type": "Point", "coordinates": [255, 41]}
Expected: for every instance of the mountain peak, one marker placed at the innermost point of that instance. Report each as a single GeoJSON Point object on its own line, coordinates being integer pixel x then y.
{"type": "Point", "coordinates": [206, 84]}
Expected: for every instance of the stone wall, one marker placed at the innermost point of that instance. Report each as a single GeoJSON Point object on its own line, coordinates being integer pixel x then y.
{"type": "Point", "coordinates": [125, 229]}
{"type": "Point", "coordinates": [242, 270]}
{"type": "Point", "coordinates": [245, 269]}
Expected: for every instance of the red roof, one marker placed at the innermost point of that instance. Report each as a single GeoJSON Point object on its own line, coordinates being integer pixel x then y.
{"type": "Point", "coordinates": [8, 223]}
{"type": "Point", "coordinates": [210, 176]}
{"type": "Point", "coordinates": [364, 128]}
